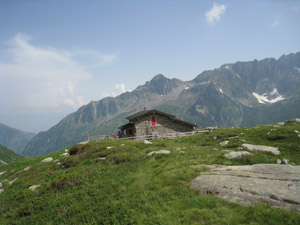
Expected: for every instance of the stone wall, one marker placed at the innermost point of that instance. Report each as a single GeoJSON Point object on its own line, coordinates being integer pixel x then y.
{"type": "Point", "coordinates": [164, 125]}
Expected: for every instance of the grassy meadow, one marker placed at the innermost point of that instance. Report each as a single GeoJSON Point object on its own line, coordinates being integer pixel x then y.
{"type": "Point", "coordinates": [122, 185]}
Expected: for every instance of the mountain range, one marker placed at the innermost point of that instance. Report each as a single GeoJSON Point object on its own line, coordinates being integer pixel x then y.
{"type": "Point", "coordinates": [233, 95]}
{"type": "Point", "coordinates": [14, 139]}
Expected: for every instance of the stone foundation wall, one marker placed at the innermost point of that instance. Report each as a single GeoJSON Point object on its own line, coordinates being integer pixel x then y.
{"type": "Point", "coordinates": [164, 125]}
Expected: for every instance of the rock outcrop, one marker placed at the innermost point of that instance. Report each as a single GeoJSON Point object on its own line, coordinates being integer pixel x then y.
{"type": "Point", "coordinates": [250, 147]}
{"type": "Point", "coordinates": [277, 185]}
{"type": "Point", "coordinates": [164, 152]}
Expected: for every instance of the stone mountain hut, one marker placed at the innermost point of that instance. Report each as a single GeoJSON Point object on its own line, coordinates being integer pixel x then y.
{"type": "Point", "coordinates": [153, 122]}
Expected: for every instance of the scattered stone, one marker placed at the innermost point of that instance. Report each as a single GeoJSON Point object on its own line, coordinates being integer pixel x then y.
{"type": "Point", "coordinates": [66, 154]}
{"type": "Point", "coordinates": [233, 155]}
{"type": "Point", "coordinates": [216, 149]}
{"type": "Point", "coordinates": [66, 150]}
{"type": "Point", "coordinates": [274, 184]}
{"type": "Point", "coordinates": [297, 132]}
{"type": "Point", "coordinates": [250, 147]}
{"type": "Point", "coordinates": [280, 123]}
{"type": "Point", "coordinates": [298, 135]}
{"type": "Point", "coordinates": [276, 126]}
{"type": "Point", "coordinates": [297, 120]}
{"type": "Point", "coordinates": [11, 182]}
{"type": "Point", "coordinates": [2, 172]}
{"type": "Point", "coordinates": [215, 138]}
{"type": "Point", "coordinates": [285, 161]}
{"type": "Point", "coordinates": [147, 142]}
{"type": "Point", "coordinates": [181, 152]}
{"type": "Point", "coordinates": [33, 187]}
{"type": "Point", "coordinates": [224, 143]}
{"type": "Point", "coordinates": [1, 190]}
{"type": "Point", "coordinates": [233, 137]}
{"type": "Point", "coordinates": [240, 148]}
{"type": "Point", "coordinates": [0, 185]}
{"type": "Point", "coordinates": [58, 164]}
{"type": "Point", "coordinates": [83, 142]}
{"type": "Point", "coordinates": [109, 147]}
{"type": "Point", "coordinates": [178, 148]}
{"type": "Point", "coordinates": [278, 161]}
{"type": "Point", "coordinates": [268, 133]}
{"type": "Point", "coordinates": [47, 159]}
{"type": "Point", "coordinates": [2, 162]}
{"type": "Point", "coordinates": [242, 133]}
{"type": "Point", "coordinates": [244, 140]}
{"type": "Point", "coordinates": [159, 152]}
{"type": "Point", "coordinates": [102, 158]}
{"type": "Point", "coordinates": [122, 145]}
{"type": "Point", "coordinates": [56, 160]}
{"type": "Point", "coordinates": [27, 168]}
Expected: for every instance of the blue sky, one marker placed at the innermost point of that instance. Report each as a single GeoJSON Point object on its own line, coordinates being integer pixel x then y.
{"type": "Point", "coordinates": [58, 55]}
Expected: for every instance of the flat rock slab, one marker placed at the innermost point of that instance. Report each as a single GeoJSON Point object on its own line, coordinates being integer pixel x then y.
{"type": "Point", "coordinates": [277, 185]}
{"type": "Point", "coordinates": [165, 152]}
{"type": "Point", "coordinates": [250, 147]}
{"type": "Point", "coordinates": [233, 155]}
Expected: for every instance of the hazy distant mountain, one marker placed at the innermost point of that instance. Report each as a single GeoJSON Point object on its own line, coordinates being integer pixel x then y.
{"type": "Point", "coordinates": [239, 94]}
{"type": "Point", "coordinates": [14, 139]}
{"type": "Point", "coordinates": [7, 155]}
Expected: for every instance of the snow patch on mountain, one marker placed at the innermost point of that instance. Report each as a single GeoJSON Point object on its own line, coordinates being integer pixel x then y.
{"type": "Point", "coordinates": [270, 97]}
{"type": "Point", "coordinates": [221, 90]}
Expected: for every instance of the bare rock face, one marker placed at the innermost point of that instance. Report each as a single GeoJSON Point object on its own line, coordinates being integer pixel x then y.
{"type": "Point", "coordinates": [275, 184]}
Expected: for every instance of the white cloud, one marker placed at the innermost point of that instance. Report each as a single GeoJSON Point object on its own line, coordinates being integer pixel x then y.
{"type": "Point", "coordinates": [275, 24]}
{"type": "Point", "coordinates": [42, 79]}
{"type": "Point", "coordinates": [214, 14]}
{"type": "Point", "coordinates": [118, 89]}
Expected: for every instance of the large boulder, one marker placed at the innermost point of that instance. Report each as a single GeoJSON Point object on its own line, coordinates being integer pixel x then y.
{"type": "Point", "coordinates": [274, 184]}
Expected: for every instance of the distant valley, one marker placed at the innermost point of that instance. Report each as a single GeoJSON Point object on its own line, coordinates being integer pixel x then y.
{"type": "Point", "coordinates": [14, 139]}
{"type": "Point", "coordinates": [233, 95]}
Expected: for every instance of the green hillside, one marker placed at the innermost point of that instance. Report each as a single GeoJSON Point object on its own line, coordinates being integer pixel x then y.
{"type": "Point", "coordinates": [7, 155]}
{"type": "Point", "coordinates": [123, 185]}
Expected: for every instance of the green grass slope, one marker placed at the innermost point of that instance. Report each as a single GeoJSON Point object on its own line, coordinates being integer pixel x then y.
{"type": "Point", "coordinates": [122, 185]}
{"type": "Point", "coordinates": [7, 155]}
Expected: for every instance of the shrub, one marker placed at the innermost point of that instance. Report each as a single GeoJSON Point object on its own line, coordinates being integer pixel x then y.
{"type": "Point", "coordinates": [74, 150]}
{"type": "Point", "coordinates": [68, 162]}
{"type": "Point", "coordinates": [276, 137]}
